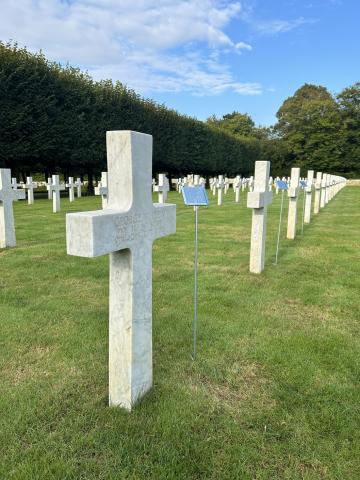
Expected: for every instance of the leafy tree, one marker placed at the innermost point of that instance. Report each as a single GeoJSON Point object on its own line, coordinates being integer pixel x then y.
{"type": "Point", "coordinates": [309, 124]}
{"type": "Point", "coordinates": [349, 104]}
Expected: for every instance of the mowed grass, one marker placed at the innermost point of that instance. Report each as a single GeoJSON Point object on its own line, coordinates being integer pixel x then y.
{"type": "Point", "coordinates": [273, 394]}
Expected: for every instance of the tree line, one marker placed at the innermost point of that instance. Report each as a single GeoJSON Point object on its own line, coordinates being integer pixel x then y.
{"type": "Point", "coordinates": [53, 119]}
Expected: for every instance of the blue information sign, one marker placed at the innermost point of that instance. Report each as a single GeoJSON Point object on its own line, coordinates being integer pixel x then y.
{"type": "Point", "coordinates": [281, 185]}
{"type": "Point", "coordinates": [302, 183]}
{"type": "Point", "coordinates": [195, 196]}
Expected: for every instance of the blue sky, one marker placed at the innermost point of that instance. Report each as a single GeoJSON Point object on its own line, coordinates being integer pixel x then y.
{"type": "Point", "coordinates": [200, 57]}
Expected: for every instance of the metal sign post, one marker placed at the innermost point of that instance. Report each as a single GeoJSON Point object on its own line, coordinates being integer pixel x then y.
{"type": "Point", "coordinates": [195, 196]}
{"type": "Point", "coordinates": [281, 185]}
{"type": "Point", "coordinates": [303, 186]}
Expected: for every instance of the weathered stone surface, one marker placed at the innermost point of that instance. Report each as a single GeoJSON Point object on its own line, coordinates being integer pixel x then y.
{"type": "Point", "coordinates": [126, 229]}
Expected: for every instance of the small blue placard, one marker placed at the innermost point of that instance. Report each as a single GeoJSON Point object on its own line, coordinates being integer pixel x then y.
{"type": "Point", "coordinates": [281, 185]}
{"type": "Point", "coordinates": [195, 196]}
{"type": "Point", "coordinates": [302, 183]}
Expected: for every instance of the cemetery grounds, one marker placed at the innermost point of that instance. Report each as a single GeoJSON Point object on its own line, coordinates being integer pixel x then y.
{"type": "Point", "coordinates": [273, 394]}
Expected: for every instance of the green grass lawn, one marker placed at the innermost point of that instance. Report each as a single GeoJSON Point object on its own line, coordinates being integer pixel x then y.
{"type": "Point", "coordinates": [274, 392]}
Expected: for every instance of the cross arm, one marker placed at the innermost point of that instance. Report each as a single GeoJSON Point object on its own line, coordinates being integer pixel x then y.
{"type": "Point", "coordinates": [259, 199]}
{"type": "Point", "coordinates": [91, 234]}
{"type": "Point", "coordinates": [164, 219]}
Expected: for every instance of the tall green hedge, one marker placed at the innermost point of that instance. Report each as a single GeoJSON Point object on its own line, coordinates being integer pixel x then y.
{"type": "Point", "coordinates": [54, 119]}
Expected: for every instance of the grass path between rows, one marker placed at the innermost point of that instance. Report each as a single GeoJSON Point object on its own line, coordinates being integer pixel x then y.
{"type": "Point", "coordinates": [274, 392]}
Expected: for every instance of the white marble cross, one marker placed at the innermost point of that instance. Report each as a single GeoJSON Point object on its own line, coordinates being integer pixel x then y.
{"type": "Point", "coordinates": [102, 189]}
{"type": "Point", "coordinates": [29, 187]}
{"type": "Point", "coordinates": [271, 181]}
{"type": "Point", "coordinates": [323, 190]}
{"type": "Point", "coordinates": [56, 188]}
{"type": "Point", "coordinates": [162, 188]}
{"type": "Point", "coordinates": [327, 187]}
{"type": "Point", "coordinates": [308, 198]}
{"type": "Point", "coordinates": [258, 200]}
{"type": "Point", "coordinates": [126, 229]}
{"type": "Point", "coordinates": [317, 192]}
{"type": "Point", "coordinates": [78, 185]}
{"type": "Point", "coordinates": [15, 186]}
{"type": "Point", "coordinates": [7, 197]}
{"type": "Point", "coordinates": [293, 193]}
{"type": "Point", "coordinates": [251, 184]}
{"type": "Point", "coordinates": [237, 187]}
{"type": "Point", "coordinates": [220, 188]}
{"type": "Point", "coordinates": [48, 187]}
{"type": "Point", "coordinates": [71, 186]}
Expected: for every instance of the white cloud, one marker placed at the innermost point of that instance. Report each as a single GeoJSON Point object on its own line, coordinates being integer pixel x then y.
{"type": "Point", "coordinates": [271, 27]}
{"type": "Point", "coordinates": [163, 45]}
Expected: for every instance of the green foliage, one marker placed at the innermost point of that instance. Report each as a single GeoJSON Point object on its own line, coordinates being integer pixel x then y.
{"type": "Point", "coordinates": [54, 118]}
{"type": "Point", "coordinates": [349, 104]}
{"type": "Point", "coordinates": [320, 132]}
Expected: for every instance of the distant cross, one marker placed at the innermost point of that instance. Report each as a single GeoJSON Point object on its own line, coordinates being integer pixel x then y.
{"type": "Point", "coordinates": [237, 187]}
{"type": "Point", "coordinates": [15, 186]}
{"type": "Point", "coordinates": [317, 193]}
{"type": "Point", "coordinates": [196, 180]}
{"type": "Point", "coordinates": [308, 198]}
{"type": "Point", "coordinates": [251, 184]}
{"type": "Point", "coordinates": [226, 185]}
{"type": "Point", "coordinates": [29, 187]}
{"type": "Point", "coordinates": [213, 186]}
{"type": "Point", "coordinates": [270, 184]}
{"type": "Point", "coordinates": [258, 200]}
{"type": "Point", "coordinates": [48, 187]}
{"type": "Point", "coordinates": [276, 185]}
{"type": "Point", "coordinates": [327, 187]}
{"type": "Point", "coordinates": [102, 189]}
{"type": "Point", "coordinates": [220, 187]}
{"type": "Point", "coordinates": [56, 188]}
{"type": "Point", "coordinates": [71, 186]}
{"type": "Point", "coordinates": [162, 188]}
{"type": "Point", "coordinates": [293, 193]}
{"type": "Point", "coordinates": [7, 197]}
{"type": "Point", "coordinates": [78, 185]}
{"type": "Point", "coordinates": [323, 190]}
{"type": "Point", "coordinates": [126, 229]}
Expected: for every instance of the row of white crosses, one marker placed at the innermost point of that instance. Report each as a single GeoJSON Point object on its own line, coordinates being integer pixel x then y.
{"type": "Point", "coordinates": [125, 229]}
{"type": "Point", "coordinates": [326, 187]}
{"type": "Point", "coordinates": [53, 187]}
{"type": "Point", "coordinates": [9, 193]}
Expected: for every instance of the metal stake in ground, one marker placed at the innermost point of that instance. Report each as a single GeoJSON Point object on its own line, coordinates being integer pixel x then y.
{"type": "Point", "coordinates": [281, 185]}
{"type": "Point", "coordinates": [195, 196]}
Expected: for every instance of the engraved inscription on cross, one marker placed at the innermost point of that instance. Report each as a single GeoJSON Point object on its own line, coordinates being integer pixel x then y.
{"type": "Point", "coordinates": [7, 197]}
{"type": "Point", "coordinates": [126, 229]}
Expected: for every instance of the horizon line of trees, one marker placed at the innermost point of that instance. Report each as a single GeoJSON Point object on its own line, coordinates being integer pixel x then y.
{"type": "Point", "coordinates": [53, 119]}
